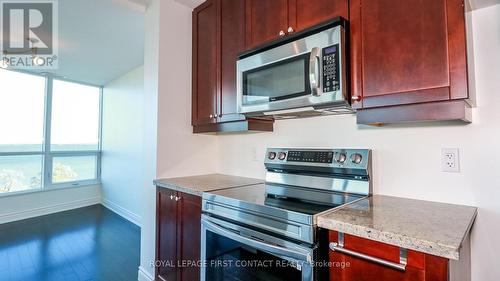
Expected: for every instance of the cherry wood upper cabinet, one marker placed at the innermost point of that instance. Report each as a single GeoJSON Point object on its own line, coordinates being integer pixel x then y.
{"type": "Point", "coordinates": [407, 52]}
{"type": "Point", "coordinates": [206, 72]}
{"type": "Point", "coordinates": [306, 13]}
{"type": "Point", "coordinates": [233, 42]}
{"type": "Point", "coordinates": [266, 20]}
{"type": "Point", "coordinates": [218, 38]}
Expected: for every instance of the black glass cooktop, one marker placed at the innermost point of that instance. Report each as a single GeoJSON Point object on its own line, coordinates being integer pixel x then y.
{"type": "Point", "coordinates": [301, 200]}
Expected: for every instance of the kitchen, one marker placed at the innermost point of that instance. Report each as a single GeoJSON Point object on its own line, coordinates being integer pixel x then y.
{"type": "Point", "coordinates": [406, 152]}
{"type": "Point", "coordinates": [251, 140]}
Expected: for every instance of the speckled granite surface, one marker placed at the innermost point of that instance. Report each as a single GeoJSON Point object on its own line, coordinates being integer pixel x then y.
{"type": "Point", "coordinates": [433, 228]}
{"type": "Point", "coordinates": [196, 185]}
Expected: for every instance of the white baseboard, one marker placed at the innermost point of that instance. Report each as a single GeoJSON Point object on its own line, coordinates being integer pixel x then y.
{"type": "Point", "coordinates": [119, 210]}
{"type": "Point", "coordinates": [144, 275]}
{"type": "Point", "coordinates": [36, 212]}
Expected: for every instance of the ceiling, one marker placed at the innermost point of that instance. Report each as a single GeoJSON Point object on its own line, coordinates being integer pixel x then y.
{"type": "Point", "coordinates": [100, 40]}
{"type": "Point", "coordinates": [478, 4]}
{"type": "Point", "coordinates": [190, 3]}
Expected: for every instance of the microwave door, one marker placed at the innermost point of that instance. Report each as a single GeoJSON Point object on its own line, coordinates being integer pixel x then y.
{"type": "Point", "coordinates": [272, 84]}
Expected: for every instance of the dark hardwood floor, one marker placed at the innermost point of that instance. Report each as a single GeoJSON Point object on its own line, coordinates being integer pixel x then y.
{"type": "Point", "coordinates": [85, 244]}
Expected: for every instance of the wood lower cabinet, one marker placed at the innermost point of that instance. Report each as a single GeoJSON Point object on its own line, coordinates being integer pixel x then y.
{"type": "Point", "coordinates": [218, 38]}
{"type": "Point", "coordinates": [166, 237]}
{"type": "Point", "coordinates": [189, 233]}
{"type": "Point", "coordinates": [419, 267]}
{"type": "Point", "coordinates": [407, 53]}
{"type": "Point", "coordinates": [178, 236]}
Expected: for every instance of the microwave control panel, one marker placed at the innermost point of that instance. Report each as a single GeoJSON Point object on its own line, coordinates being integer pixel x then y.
{"type": "Point", "coordinates": [331, 79]}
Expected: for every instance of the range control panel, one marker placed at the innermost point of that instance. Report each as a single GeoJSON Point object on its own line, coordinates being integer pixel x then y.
{"type": "Point", "coordinates": [329, 158]}
{"type": "Point", "coordinates": [310, 156]}
{"type": "Point", "coordinates": [331, 71]}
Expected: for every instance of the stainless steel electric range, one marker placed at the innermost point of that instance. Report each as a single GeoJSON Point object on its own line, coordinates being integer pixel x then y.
{"type": "Point", "coordinates": [268, 231]}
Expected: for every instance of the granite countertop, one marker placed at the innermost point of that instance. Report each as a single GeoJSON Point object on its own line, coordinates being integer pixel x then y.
{"type": "Point", "coordinates": [429, 227]}
{"type": "Point", "coordinates": [196, 185]}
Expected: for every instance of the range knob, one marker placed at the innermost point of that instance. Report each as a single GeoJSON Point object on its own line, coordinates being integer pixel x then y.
{"type": "Point", "coordinates": [272, 155]}
{"type": "Point", "coordinates": [340, 158]}
{"type": "Point", "coordinates": [282, 155]}
{"type": "Point", "coordinates": [356, 158]}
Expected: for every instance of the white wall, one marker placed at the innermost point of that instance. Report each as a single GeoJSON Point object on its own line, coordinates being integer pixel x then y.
{"type": "Point", "coordinates": [151, 65]}
{"type": "Point", "coordinates": [407, 158]}
{"type": "Point", "coordinates": [178, 151]}
{"type": "Point", "coordinates": [23, 206]}
{"type": "Point", "coordinates": [122, 144]}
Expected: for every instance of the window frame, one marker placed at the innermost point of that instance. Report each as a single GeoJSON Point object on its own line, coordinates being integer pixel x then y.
{"type": "Point", "coordinates": [48, 155]}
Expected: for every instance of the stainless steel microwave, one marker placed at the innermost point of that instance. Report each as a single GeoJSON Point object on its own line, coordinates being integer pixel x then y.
{"type": "Point", "coordinates": [298, 76]}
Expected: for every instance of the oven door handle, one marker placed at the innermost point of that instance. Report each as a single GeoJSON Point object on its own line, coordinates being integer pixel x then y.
{"type": "Point", "coordinates": [314, 71]}
{"type": "Point", "coordinates": [297, 254]}
{"type": "Point", "coordinates": [398, 266]}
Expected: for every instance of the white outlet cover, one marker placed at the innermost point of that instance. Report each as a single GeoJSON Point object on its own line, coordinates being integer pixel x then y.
{"type": "Point", "coordinates": [450, 160]}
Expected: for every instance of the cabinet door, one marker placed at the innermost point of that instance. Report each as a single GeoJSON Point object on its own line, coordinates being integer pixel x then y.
{"type": "Point", "coordinates": [206, 71]}
{"type": "Point", "coordinates": [405, 52]}
{"type": "Point", "coordinates": [189, 233]}
{"type": "Point", "coordinates": [420, 267]}
{"type": "Point", "coordinates": [166, 234]}
{"type": "Point", "coordinates": [264, 20]}
{"type": "Point", "coordinates": [233, 42]}
{"type": "Point", "coordinates": [306, 13]}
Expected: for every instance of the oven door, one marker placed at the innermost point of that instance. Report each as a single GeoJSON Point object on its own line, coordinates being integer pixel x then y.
{"type": "Point", "coordinates": [282, 84]}
{"type": "Point", "coordinates": [231, 252]}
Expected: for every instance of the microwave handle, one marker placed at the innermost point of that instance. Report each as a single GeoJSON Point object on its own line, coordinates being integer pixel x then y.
{"type": "Point", "coordinates": [314, 71]}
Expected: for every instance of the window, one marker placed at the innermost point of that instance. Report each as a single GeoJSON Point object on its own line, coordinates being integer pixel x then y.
{"type": "Point", "coordinates": [49, 133]}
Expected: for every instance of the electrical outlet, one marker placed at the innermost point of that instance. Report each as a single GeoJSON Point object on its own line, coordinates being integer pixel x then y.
{"type": "Point", "coordinates": [450, 160]}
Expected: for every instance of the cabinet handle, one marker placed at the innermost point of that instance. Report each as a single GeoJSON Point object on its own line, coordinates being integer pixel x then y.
{"type": "Point", "coordinates": [177, 198]}
{"type": "Point", "coordinates": [281, 33]}
{"type": "Point", "coordinates": [398, 266]}
{"type": "Point", "coordinates": [290, 29]}
{"type": "Point", "coordinates": [171, 197]}
{"type": "Point", "coordinates": [211, 116]}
